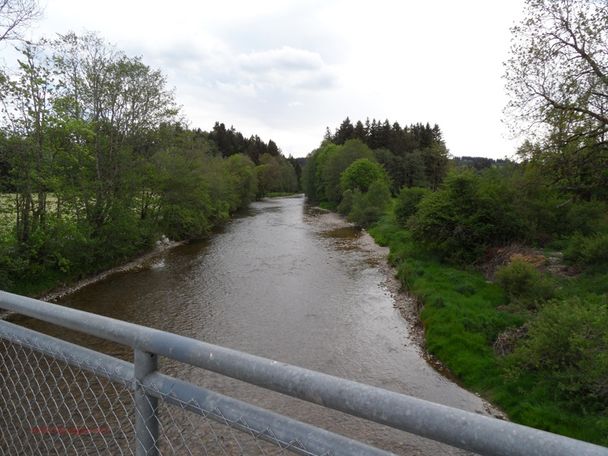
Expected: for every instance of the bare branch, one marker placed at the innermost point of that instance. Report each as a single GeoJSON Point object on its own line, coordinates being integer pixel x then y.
{"type": "Point", "coordinates": [15, 15]}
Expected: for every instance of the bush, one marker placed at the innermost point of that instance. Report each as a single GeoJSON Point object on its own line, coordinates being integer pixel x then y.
{"type": "Point", "coordinates": [523, 283]}
{"type": "Point", "coordinates": [588, 250]}
{"type": "Point", "coordinates": [567, 345]}
{"type": "Point", "coordinates": [586, 217]}
{"type": "Point", "coordinates": [407, 203]}
{"type": "Point", "coordinates": [461, 220]}
{"type": "Point", "coordinates": [12, 264]}
{"type": "Point", "coordinates": [346, 204]}
{"type": "Point", "coordinates": [367, 208]}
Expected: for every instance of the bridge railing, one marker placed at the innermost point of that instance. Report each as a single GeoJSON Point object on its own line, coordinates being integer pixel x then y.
{"type": "Point", "coordinates": [60, 398]}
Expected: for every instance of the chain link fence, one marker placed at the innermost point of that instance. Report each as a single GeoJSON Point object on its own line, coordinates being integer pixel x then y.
{"type": "Point", "coordinates": [59, 398]}
{"type": "Point", "coordinates": [52, 404]}
{"type": "Point", "coordinates": [49, 407]}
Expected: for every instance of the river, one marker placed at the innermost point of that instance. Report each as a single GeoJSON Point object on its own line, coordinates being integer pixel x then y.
{"type": "Point", "coordinates": [288, 282]}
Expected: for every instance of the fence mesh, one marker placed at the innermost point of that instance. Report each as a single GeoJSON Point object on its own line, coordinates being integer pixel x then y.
{"type": "Point", "coordinates": [51, 405]}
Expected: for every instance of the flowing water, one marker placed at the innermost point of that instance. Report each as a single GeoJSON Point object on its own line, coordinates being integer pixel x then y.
{"type": "Point", "coordinates": [287, 282]}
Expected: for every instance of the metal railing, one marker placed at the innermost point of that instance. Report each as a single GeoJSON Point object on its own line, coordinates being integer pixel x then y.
{"type": "Point", "coordinates": [52, 390]}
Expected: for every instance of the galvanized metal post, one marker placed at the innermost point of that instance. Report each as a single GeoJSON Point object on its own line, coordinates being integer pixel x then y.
{"type": "Point", "coordinates": [146, 406]}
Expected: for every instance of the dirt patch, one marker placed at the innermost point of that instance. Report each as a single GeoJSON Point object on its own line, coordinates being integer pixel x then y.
{"type": "Point", "coordinates": [551, 262]}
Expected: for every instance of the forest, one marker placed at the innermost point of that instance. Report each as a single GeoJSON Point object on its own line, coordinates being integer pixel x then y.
{"type": "Point", "coordinates": [507, 259]}
{"type": "Point", "coordinates": [96, 163]}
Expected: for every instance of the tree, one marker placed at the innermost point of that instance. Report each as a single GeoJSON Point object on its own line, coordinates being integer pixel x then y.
{"type": "Point", "coordinates": [361, 174]}
{"type": "Point", "coordinates": [436, 162]}
{"type": "Point", "coordinates": [14, 15]}
{"type": "Point", "coordinates": [345, 132]}
{"type": "Point", "coordinates": [367, 208]}
{"type": "Point", "coordinates": [26, 109]}
{"type": "Point", "coordinates": [337, 161]}
{"type": "Point", "coordinates": [557, 77]}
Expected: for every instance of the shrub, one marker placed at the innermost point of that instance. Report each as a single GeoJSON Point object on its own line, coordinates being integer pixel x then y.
{"type": "Point", "coordinates": [586, 217]}
{"type": "Point", "coordinates": [523, 283]}
{"type": "Point", "coordinates": [567, 345]}
{"type": "Point", "coordinates": [460, 221]}
{"type": "Point", "coordinates": [346, 204]}
{"type": "Point", "coordinates": [367, 208]}
{"type": "Point", "coordinates": [407, 203]}
{"type": "Point", "coordinates": [588, 250]}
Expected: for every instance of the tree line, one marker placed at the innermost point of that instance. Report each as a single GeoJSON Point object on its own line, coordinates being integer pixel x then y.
{"type": "Point", "coordinates": [359, 167]}
{"type": "Point", "coordinates": [414, 155]}
{"type": "Point", "coordinates": [96, 163]}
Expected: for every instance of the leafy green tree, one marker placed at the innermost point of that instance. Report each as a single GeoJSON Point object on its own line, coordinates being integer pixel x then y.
{"type": "Point", "coordinates": [407, 203]}
{"type": "Point", "coordinates": [313, 183]}
{"type": "Point", "coordinates": [367, 208]}
{"type": "Point", "coordinates": [557, 78]}
{"type": "Point", "coordinates": [435, 159]}
{"type": "Point", "coordinates": [275, 174]}
{"type": "Point", "coordinates": [361, 174]}
{"type": "Point", "coordinates": [345, 132]}
{"type": "Point", "coordinates": [337, 161]}
{"type": "Point", "coordinates": [460, 221]}
{"type": "Point", "coordinates": [393, 165]}
{"type": "Point", "coordinates": [27, 108]}
{"type": "Point", "coordinates": [185, 204]}
{"type": "Point", "coordinates": [413, 170]}
{"type": "Point", "coordinates": [241, 170]}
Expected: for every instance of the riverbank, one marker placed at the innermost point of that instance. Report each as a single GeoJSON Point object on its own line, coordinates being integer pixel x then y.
{"type": "Point", "coordinates": [61, 289]}
{"type": "Point", "coordinates": [408, 304]}
{"type": "Point", "coordinates": [461, 315]}
{"type": "Point", "coordinates": [136, 263]}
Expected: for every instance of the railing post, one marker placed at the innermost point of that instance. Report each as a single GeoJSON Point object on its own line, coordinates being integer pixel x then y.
{"type": "Point", "coordinates": [146, 407]}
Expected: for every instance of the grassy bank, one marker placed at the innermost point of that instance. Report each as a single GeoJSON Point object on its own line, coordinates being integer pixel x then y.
{"type": "Point", "coordinates": [463, 314]}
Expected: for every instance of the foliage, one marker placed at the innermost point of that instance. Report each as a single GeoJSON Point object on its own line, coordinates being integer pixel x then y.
{"type": "Point", "coordinates": [590, 251]}
{"type": "Point", "coordinates": [337, 161]}
{"type": "Point", "coordinates": [463, 314]}
{"type": "Point", "coordinates": [461, 220]}
{"type": "Point", "coordinates": [346, 205]}
{"type": "Point", "coordinates": [524, 284]}
{"type": "Point", "coordinates": [275, 174]}
{"type": "Point", "coordinates": [325, 165]}
{"type": "Point", "coordinates": [368, 207]}
{"type": "Point", "coordinates": [567, 344]}
{"type": "Point", "coordinates": [557, 77]}
{"type": "Point", "coordinates": [361, 174]}
{"type": "Point", "coordinates": [407, 203]}
{"type": "Point", "coordinates": [412, 156]}
{"type": "Point", "coordinates": [100, 167]}
{"type": "Point", "coordinates": [230, 142]}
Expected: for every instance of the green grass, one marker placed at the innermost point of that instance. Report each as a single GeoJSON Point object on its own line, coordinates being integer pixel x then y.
{"type": "Point", "coordinates": [462, 315]}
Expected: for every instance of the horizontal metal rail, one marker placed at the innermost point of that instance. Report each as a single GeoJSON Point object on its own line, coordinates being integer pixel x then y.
{"type": "Point", "coordinates": [466, 430]}
{"type": "Point", "coordinates": [194, 398]}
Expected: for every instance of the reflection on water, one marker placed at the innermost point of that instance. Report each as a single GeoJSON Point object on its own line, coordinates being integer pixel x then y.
{"type": "Point", "coordinates": [286, 282]}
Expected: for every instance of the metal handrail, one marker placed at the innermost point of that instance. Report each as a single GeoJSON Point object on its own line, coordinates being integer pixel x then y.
{"type": "Point", "coordinates": [458, 428]}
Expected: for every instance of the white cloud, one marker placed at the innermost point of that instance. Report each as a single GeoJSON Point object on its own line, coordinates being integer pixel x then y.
{"type": "Point", "coordinates": [287, 68]}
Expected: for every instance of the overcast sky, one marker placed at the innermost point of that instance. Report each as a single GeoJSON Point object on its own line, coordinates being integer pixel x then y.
{"type": "Point", "coordinates": [287, 69]}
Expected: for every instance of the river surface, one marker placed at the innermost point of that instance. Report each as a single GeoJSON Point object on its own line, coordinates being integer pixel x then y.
{"type": "Point", "coordinates": [288, 282]}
